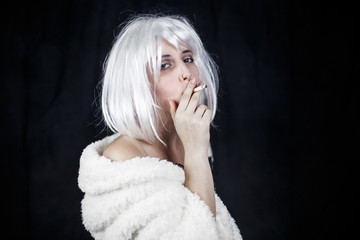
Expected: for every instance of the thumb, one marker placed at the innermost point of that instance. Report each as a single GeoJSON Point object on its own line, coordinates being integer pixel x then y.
{"type": "Point", "coordinates": [172, 105]}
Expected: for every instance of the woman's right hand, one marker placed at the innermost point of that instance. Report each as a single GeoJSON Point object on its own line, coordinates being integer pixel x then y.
{"type": "Point", "coordinates": [191, 120]}
{"type": "Point", "coordinates": [192, 124]}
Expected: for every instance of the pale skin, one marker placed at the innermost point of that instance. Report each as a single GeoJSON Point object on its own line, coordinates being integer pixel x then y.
{"type": "Point", "coordinates": [187, 133]}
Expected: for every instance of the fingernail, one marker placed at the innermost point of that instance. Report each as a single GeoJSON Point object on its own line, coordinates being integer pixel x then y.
{"type": "Point", "coordinates": [193, 80]}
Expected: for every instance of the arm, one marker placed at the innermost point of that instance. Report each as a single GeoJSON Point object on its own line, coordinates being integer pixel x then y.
{"type": "Point", "coordinates": [199, 179]}
{"type": "Point", "coordinates": [192, 124]}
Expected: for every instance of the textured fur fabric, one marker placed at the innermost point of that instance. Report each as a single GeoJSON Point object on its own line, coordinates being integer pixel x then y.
{"type": "Point", "coordinates": [145, 198]}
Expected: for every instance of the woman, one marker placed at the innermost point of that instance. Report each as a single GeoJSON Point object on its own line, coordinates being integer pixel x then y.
{"type": "Point", "coordinates": [152, 178]}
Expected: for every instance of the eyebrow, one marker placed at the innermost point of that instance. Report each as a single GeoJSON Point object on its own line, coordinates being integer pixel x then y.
{"type": "Point", "coordinates": [183, 52]}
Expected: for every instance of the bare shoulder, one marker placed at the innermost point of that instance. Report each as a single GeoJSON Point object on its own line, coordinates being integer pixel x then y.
{"type": "Point", "coordinates": [123, 148]}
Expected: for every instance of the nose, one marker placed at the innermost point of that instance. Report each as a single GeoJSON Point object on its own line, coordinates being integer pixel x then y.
{"type": "Point", "coordinates": [184, 73]}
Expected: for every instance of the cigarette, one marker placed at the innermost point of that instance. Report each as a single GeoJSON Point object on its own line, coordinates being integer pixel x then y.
{"type": "Point", "coordinates": [199, 88]}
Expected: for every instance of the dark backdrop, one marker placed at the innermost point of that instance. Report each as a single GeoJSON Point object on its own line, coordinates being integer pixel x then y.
{"type": "Point", "coordinates": [284, 151]}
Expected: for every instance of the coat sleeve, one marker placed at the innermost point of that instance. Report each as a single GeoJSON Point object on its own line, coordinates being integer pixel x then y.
{"type": "Point", "coordinates": [145, 198]}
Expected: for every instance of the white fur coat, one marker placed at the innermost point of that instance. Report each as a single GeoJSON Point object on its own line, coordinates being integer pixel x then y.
{"type": "Point", "coordinates": [145, 198]}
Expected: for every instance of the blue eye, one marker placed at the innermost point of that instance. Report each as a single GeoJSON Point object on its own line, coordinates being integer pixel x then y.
{"type": "Point", "coordinates": [188, 60]}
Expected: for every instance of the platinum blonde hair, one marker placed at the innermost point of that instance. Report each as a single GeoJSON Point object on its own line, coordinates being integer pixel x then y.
{"type": "Point", "coordinates": [128, 101]}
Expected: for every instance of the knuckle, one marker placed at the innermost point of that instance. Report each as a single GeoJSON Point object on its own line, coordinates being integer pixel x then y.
{"type": "Point", "coordinates": [200, 108]}
{"type": "Point", "coordinates": [203, 108]}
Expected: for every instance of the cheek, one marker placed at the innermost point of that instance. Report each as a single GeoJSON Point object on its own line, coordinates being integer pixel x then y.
{"type": "Point", "coordinates": [167, 92]}
{"type": "Point", "coordinates": [163, 93]}
{"type": "Point", "coordinates": [194, 71]}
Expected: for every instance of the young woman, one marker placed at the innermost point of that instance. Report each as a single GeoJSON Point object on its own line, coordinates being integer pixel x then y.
{"type": "Point", "coordinates": [152, 178]}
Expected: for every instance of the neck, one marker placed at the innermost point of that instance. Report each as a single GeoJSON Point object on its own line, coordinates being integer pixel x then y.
{"type": "Point", "coordinates": [168, 136]}
{"type": "Point", "coordinates": [173, 151]}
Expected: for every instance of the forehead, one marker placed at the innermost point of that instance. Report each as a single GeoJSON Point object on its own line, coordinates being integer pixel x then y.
{"type": "Point", "coordinates": [168, 47]}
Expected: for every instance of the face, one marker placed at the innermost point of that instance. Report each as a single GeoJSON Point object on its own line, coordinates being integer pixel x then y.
{"type": "Point", "coordinates": [177, 66]}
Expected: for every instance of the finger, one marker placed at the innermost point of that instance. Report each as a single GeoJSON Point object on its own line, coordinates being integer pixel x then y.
{"type": "Point", "coordinates": [195, 98]}
{"type": "Point", "coordinates": [207, 115]}
{"type": "Point", "coordinates": [194, 102]}
{"type": "Point", "coordinates": [185, 98]}
{"type": "Point", "coordinates": [200, 110]}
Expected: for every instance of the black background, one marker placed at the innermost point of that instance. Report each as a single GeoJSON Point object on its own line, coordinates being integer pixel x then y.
{"type": "Point", "coordinates": [286, 146]}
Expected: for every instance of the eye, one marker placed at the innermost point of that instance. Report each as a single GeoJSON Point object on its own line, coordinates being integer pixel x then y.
{"type": "Point", "coordinates": [164, 66]}
{"type": "Point", "coordinates": [188, 60]}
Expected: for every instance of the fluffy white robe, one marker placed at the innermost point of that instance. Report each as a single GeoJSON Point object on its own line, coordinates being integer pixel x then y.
{"type": "Point", "coordinates": [145, 198]}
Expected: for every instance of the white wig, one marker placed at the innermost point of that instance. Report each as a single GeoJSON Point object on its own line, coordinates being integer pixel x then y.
{"type": "Point", "coordinates": [128, 101]}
